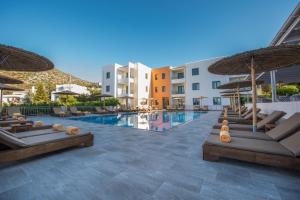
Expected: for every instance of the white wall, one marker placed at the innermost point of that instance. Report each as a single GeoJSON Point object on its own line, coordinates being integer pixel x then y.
{"type": "Point", "coordinates": [205, 79]}
{"type": "Point", "coordinates": [112, 81]}
{"type": "Point", "coordinates": [71, 87]}
{"type": "Point", "coordinates": [143, 82]}
{"type": "Point", "coordinates": [289, 107]}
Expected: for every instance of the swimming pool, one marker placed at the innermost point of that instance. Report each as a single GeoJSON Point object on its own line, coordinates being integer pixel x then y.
{"type": "Point", "coordinates": [155, 121]}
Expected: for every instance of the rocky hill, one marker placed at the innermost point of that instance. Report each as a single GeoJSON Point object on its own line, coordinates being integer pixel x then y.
{"type": "Point", "coordinates": [53, 77]}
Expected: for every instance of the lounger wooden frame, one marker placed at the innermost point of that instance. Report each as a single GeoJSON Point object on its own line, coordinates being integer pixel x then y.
{"type": "Point", "coordinates": [212, 152]}
{"type": "Point", "coordinates": [31, 151]}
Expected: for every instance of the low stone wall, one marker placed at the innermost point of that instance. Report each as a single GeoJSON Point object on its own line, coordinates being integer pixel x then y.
{"type": "Point", "coordinates": [288, 107]}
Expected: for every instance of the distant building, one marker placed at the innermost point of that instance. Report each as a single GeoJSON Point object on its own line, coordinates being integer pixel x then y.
{"type": "Point", "coordinates": [15, 97]}
{"type": "Point", "coordinates": [71, 87]}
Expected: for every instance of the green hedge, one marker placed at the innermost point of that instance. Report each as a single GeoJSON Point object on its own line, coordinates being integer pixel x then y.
{"type": "Point", "coordinates": [287, 90]}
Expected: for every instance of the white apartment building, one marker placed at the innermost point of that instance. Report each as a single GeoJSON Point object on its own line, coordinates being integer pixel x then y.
{"type": "Point", "coordinates": [71, 87]}
{"type": "Point", "coordinates": [199, 82]}
{"type": "Point", "coordinates": [129, 83]}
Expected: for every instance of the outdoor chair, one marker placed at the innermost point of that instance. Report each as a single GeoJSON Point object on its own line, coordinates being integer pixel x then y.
{"type": "Point", "coordinates": [76, 112]}
{"type": "Point", "coordinates": [285, 153]}
{"type": "Point", "coordinates": [100, 110]}
{"type": "Point", "coordinates": [58, 112]}
{"type": "Point", "coordinates": [14, 148]}
{"type": "Point", "coordinates": [244, 119]}
{"type": "Point", "coordinates": [280, 131]}
{"type": "Point", "coordinates": [270, 119]}
{"type": "Point", "coordinates": [14, 112]}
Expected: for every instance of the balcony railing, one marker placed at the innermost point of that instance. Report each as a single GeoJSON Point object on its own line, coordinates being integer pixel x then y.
{"type": "Point", "coordinates": [178, 92]}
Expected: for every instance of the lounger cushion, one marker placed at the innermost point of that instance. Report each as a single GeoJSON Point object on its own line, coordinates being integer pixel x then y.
{"type": "Point", "coordinates": [8, 139]}
{"type": "Point", "coordinates": [285, 128]}
{"type": "Point", "coordinates": [245, 127]}
{"type": "Point", "coordinates": [244, 134]}
{"type": "Point", "coordinates": [261, 146]}
{"type": "Point", "coordinates": [292, 143]}
{"type": "Point", "coordinates": [273, 117]}
{"type": "Point", "coordinates": [42, 139]}
{"type": "Point", "coordinates": [34, 133]}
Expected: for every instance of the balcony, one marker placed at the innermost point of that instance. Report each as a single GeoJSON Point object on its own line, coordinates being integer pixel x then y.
{"type": "Point", "coordinates": [124, 94]}
{"type": "Point", "coordinates": [122, 80]}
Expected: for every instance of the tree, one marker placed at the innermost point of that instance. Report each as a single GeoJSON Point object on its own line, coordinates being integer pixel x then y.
{"type": "Point", "coordinates": [40, 95]}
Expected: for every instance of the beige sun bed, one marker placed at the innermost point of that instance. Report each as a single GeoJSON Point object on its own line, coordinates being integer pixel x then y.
{"type": "Point", "coordinates": [270, 119]}
{"type": "Point", "coordinates": [21, 148]}
{"type": "Point", "coordinates": [285, 153]}
{"type": "Point", "coordinates": [282, 130]}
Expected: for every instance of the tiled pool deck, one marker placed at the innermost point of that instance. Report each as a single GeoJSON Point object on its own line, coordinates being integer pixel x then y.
{"type": "Point", "coordinates": [127, 163]}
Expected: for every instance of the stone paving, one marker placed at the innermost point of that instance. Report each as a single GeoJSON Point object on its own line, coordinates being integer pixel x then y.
{"type": "Point", "coordinates": [127, 163]}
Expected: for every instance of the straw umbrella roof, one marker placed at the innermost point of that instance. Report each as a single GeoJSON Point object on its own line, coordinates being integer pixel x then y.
{"type": "Point", "coordinates": [202, 97]}
{"type": "Point", "coordinates": [7, 87]}
{"type": "Point", "coordinates": [104, 95]}
{"type": "Point", "coordinates": [238, 84]}
{"type": "Point", "coordinates": [229, 95]}
{"type": "Point", "coordinates": [66, 92]}
{"type": "Point", "coordinates": [8, 80]}
{"type": "Point", "coordinates": [234, 91]}
{"type": "Point", "coordinates": [16, 59]}
{"type": "Point", "coordinates": [265, 59]}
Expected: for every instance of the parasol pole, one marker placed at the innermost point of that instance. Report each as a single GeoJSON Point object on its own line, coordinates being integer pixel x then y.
{"type": "Point", "coordinates": [253, 95]}
{"type": "Point", "coordinates": [1, 96]}
{"type": "Point", "coordinates": [234, 104]}
{"type": "Point", "coordinates": [239, 100]}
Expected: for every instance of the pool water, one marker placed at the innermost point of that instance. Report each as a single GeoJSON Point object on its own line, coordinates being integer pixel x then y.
{"type": "Point", "coordinates": [155, 121]}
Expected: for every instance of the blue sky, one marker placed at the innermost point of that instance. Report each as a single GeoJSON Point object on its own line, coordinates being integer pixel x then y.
{"type": "Point", "coordinates": [81, 36]}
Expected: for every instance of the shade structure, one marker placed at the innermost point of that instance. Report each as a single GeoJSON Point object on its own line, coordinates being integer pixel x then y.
{"type": "Point", "coordinates": [8, 80]}
{"type": "Point", "coordinates": [126, 99]}
{"type": "Point", "coordinates": [6, 87]}
{"type": "Point", "coordinates": [104, 96]}
{"type": "Point", "coordinates": [234, 91]}
{"type": "Point", "coordinates": [257, 61]}
{"type": "Point", "coordinates": [16, 59]}
{"type": "Point", "coordinates": [239, 84]}
{"type": "Point", "coordinates": [66, 92]}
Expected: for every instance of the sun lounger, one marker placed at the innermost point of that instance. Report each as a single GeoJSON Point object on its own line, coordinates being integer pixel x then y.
{"type": "Point", "coordinates": [282, 130]}
{"type": "Point", "coordinates": [247, 119]}
{"type": "Point", "coordinates": [285, 153]}
{"type": "Point", "coordinates": [58, 112]}
{"type": "Point", "coordinates": [100, 110]}
{"type": "Point", "coordinates": [270, 119]}
{"type": "Point", "coordinates": [76, 112]}
{"type": "Point", "coordinates": [14, 121]}
{"type": "Point", "coordinates": [21, 148]}
{"type": "Point", "coordinates": [13, 112]}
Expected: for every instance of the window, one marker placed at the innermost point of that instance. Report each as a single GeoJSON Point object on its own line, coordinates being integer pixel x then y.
{"type": "Point", "coordinates": [146, 76]}
{"type": "Point", "coordinates": [155, 76]}
{"type": "Point", "coordinates": [146, 88]}
{"type": "Point", "coordinates": [216, 84]}
{"type": "Point", "coordinates": [107, 89]}
{"type": "Point", "coordinates": [155, 89]}
{"type": "Point", "coordinates": [196, 86]}
{"type": "Point", "coordinates": [180, 89]}
{"type": "Point", "coordinates": [163, 88]}
{"type": "Point", "coordinates": [196, 101]}
{"type": "Point", "coordinates": [180, 75]}
{"type": "Point", "coordinates": [156, 102]}
{"type": "Point", "coordinates": [107, 75]}
{"type": "Point", "coordinates": [195, 71]}
{"type": "Point", "coordinates": [217, 100]}
{"type": "Point", "coordinates": [163, 76]}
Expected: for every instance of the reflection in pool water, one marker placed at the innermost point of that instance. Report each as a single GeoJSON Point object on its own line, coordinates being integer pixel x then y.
{"type": "Point", "coordinates": [156, 121]}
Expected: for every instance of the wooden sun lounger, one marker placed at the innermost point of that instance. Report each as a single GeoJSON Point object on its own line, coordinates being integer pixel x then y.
{"type": "Point", "coordinates": [16, 128]}
{"type": "Point", "coordinates": [270, 119]}
{"type": "Point", "coordinates": [14, 121]}
{"type": "Point", "coordinates": [242, 120]}
{"type": "Point", "coordinates": [22, 148]}
{"type": "Point", "coordinates": [58, 112]}
{"type": "Point", "coordinates": [100, 110]}
{"type": "Point", "coordinates": [12, 110]}
{"type": "Point", "coordinates": [285, 153]}
{"type": "Point", "coordinates": [76, 112]}
{"type": "Point", "coordinates": [282, 130]}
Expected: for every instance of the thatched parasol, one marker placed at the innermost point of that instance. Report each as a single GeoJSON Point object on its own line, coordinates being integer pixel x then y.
{"type": "Point", "coordinates": [6, 87]}
{"type": "Point", "coordinates": [238, 85]}
{"type": "Point", "coordinates": [257, 61]}
{"type": "Point", "coordinates": [16, 59]}
{"type": "Point", "coordinates": [104, 96]}
{"type": "Point", "coordinates": [8, 80]}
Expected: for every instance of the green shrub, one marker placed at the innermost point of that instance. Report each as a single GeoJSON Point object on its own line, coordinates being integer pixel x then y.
{"type": "Point", "coordinates": [287, 90]}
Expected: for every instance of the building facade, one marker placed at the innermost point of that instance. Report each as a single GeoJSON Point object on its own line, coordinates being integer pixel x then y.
{"type": "Point", "coordinates": [134, 83]}
{"type": "Point", "coordinates": [70, 87]}
{"type": "Point", "coordinates": [129, 83]}
{"type": "Point", "coordinates": [161, 87]}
